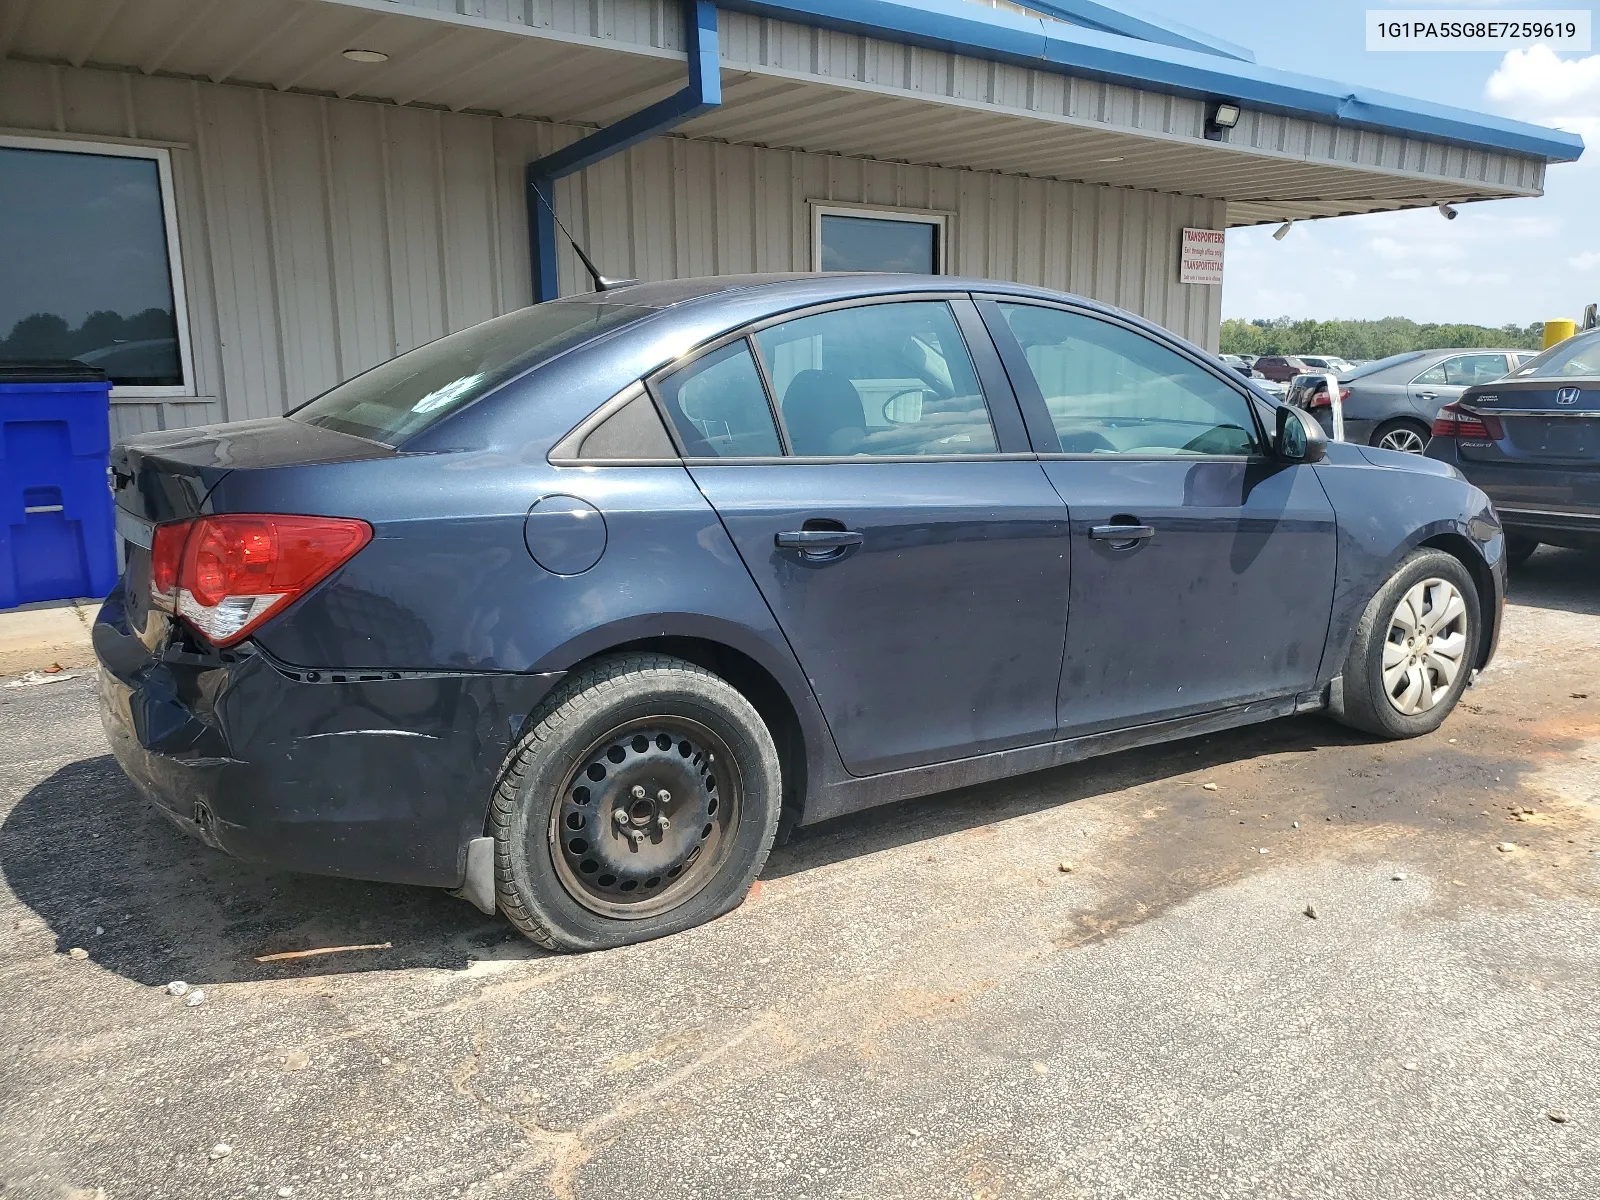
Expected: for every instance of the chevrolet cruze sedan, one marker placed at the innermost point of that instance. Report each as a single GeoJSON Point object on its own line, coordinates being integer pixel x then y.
{"type": "Point", "coordinates": [572, 611]}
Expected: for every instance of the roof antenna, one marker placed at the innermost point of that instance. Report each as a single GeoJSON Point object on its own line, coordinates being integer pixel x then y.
{"type": "Point", "coordinates": [601, 282]}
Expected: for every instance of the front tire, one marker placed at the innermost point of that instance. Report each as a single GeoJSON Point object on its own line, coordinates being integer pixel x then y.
{"type": "Point", "coordinates": [642, 800]}
{"type": "Point", "coordinates": [1414, 648]}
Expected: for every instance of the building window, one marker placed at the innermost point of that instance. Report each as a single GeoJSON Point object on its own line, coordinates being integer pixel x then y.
{"type": "Point", "coordinates": [847, 238]}
{"type": "Point", "coordinates": [89, 255]}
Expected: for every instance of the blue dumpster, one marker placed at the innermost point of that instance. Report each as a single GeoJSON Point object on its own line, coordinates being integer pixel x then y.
{"type": "Point", "coordinates": [57, 532]}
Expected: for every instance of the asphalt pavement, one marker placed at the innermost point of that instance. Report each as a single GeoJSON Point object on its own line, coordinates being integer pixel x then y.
{"type": "Point", "coordinates": [1098, 981]}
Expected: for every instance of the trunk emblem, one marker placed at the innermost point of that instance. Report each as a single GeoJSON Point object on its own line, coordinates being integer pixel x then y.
{"type": "Point", "coordinates": [1567, 396]}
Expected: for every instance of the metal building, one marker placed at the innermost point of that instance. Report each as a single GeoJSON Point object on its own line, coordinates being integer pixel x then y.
{"type": "Point", "coordinates": [232, 205]}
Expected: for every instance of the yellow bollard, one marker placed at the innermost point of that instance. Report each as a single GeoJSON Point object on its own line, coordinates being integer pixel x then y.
{"type": "Point", "coordinates": [1558, 331]}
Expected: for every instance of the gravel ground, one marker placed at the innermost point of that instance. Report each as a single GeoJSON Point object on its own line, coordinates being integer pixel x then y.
{"type": "Point", "coordinates": [918, 1001]}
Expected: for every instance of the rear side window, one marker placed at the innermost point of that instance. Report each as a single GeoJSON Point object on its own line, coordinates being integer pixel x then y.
{"type": "Point", "coordinates": [1576, 358]}
{"type": "Point", "coordinates": [877, 379]}
{"type": "Point", "coordinates": [1464, 370]}
{"type": "Point", "coordinates": [1111, 390]}
{"type": "Point", "coordinates": [400, 398]}
{"type": "Point", "coordinates": [719, 407]}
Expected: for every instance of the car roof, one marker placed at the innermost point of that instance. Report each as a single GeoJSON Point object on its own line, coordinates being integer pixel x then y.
{"type": "Point", "coordinates": [788, 289]}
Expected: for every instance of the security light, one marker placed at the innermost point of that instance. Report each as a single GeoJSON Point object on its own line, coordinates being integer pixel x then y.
{"type": "Point", "coordinates": [1221, 116]}
{"type": "Point", "coordinates": [366, 56]}
{"type": "Point", "coordinates": [1282, 231]}
{"type": "Point", "coordinates": [1447, 212]}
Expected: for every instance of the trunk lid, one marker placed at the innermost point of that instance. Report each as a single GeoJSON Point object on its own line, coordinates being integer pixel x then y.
{"type": "Point", "coordinates": [1555, 421]}
{"type": "Point", "coordinates": [161, 477]}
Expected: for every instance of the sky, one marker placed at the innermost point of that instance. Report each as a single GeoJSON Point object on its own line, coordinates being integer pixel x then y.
{"type": "Point", "coordinates": [1499, 262]}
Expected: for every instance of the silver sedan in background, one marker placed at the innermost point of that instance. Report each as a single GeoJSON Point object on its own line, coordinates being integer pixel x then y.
{"type": "Point", "coordinates": [1391, 403]}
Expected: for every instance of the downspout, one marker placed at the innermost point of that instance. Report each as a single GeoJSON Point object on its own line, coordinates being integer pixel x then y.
{"type": "Point", "coordinates": [703, 91]}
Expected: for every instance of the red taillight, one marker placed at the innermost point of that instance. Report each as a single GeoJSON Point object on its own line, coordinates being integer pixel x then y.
{"type": "Point", "coordinates": [1458, 422]}
{"type": "Point", "coordinates": [227, 574]}
{"type": "Point", "coordinates": [166, 555]}
{"type": "Point", "coordinates": [1319, 398]}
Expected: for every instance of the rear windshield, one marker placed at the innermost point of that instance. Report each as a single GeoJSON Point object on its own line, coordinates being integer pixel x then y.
{"type": "Point", "coordinates": [1383, 364]}
{"type": "Point", "coordinates": [1576, 358]}
{"type": "Point", "coordinates": [400, 398]}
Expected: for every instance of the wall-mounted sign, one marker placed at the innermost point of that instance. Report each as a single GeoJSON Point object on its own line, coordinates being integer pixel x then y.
{"type": "Point", "coordinates": [1200, 256]}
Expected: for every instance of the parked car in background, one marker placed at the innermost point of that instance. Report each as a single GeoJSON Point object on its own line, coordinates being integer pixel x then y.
{"type": "Point", "coordinates": [1236, 362]}
{"type": "Point", "coordinates": [566, 610]}
{"type": "Point", "coordinates": [1391, 403]}
{"type": "Point", "coordinates": [1326, 362]}
{"type": "Point", "coordinates": [1532, 442]}
{"type": "Point", "coordinates": [1279, 368]}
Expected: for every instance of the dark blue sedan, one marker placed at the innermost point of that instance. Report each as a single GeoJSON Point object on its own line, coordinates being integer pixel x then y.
{"type": "Point", "coordinates": [1532, 442]}
{"type": "Point", "coordinates": [573, 610]}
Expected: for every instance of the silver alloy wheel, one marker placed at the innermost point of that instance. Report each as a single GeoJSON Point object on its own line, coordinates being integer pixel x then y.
{"type": "Point", "coordinates": [1404, 439]}
{"type": "Point", "coordinates": [1426, 648]}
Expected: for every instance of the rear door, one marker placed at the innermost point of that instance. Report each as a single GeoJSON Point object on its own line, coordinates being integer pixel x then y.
{"type": "Point", "coordinates": [1202, 568]}
{"type": "Point", "coordinates": [1444, 382]}
{"type": "Point", "coordinates": [894, 518]}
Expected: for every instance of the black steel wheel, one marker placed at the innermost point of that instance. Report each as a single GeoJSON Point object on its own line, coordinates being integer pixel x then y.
{"type": "Point", "coordinates": [646, 817]}
{"type": "Point", "coordinates": [642, 800]}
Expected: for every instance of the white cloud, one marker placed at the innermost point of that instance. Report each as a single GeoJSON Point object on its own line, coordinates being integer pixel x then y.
{"type": "Point", "coordinates": [1540, 83]}
{"type": "Point", "coordinates": [1587, 261]}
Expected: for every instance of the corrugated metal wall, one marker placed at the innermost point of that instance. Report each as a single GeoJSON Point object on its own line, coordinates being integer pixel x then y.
{"type": "Point", "coordinates": [322, 236]}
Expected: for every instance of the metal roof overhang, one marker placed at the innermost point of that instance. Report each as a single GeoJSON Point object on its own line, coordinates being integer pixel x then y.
{"type": "Point", "coordinates": [593, 71]}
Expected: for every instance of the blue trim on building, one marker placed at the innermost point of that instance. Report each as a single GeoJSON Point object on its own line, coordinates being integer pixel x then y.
{"type": "Point", "coordinates": [702, 92]}
{"type": "Point", "coordinates": [970, 29]}
{"type": "Point", "coordinates": [1130, 22]}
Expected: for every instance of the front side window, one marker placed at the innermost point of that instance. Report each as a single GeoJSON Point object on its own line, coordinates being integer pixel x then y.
{"type": "Point", "coordinates": [1464, 370]}
{"type": "Point", "coordinates": [1111, 390]}
{"type": "Point", "coordinates": [877, 379]}
{"type": "Point", "coordinates": [89, 262]}
{"type": "Point", "coordinates": [719, 406]}
{"type": "Point", "coordinates": [850, 239]}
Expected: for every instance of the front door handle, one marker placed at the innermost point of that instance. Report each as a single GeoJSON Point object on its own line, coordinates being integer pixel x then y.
{"type": "Point", "coordinates": [818, 539]}
{"type": "Point", "coordinates": [1121, 533]}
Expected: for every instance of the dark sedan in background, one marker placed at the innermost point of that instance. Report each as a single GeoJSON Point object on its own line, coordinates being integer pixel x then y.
{"type": "Point", "coordinates": [1532, 442]}
{"type": "Point", "coordinates": [1391, 403]}
{"type": "Point", "coordinates": [568, 610]}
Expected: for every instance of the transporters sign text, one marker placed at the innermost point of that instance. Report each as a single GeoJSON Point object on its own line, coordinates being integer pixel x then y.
{"type": "Point", "coordinates": [1200, 256]}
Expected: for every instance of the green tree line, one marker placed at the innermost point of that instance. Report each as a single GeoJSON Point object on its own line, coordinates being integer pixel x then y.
{"type": "Point", "coordinates": [46, 335]}
{"type": "Point", "coordinates": [1367, 339]}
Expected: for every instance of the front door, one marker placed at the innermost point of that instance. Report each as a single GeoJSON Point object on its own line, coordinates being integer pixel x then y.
{"type": "Point", "coordinates": [1202, 568]}
{"type": "Point", "coordinates": [917, 569]}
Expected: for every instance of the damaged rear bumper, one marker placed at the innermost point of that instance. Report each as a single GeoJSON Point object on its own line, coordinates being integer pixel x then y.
{"type": "Point", "coordinates": [381, 775]}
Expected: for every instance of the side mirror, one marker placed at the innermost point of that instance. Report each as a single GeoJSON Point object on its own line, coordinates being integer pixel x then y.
{"type": "Point", "coordinates": [1299, 438]}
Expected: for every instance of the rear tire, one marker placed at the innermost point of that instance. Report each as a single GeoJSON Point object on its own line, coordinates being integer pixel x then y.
{"type": "Point", "coordinates": [642, 800]}
{"type": "Point", "coordinates": [1519, 548]}
{"type": "Point", "coordinates": [1414, 648]}
{"type": "Point", "coordinates": [1406, 436]}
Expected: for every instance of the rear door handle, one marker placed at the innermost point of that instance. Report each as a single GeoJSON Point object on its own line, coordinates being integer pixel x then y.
{"type": "Point", "coordinates": [1121, 533]}
{"type": "Point", "coordinates": [818, 539]}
